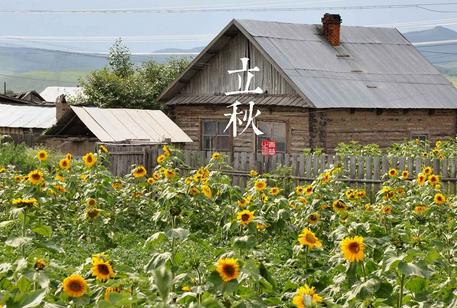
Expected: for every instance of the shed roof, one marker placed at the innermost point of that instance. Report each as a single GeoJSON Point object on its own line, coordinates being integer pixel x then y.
{"type": "Point", "coordinates": [50, 94]}
{"type": "Point", "coordinates": [27, 116]}
{"type": "Point", "coordinates": [372, 67]}
{"type": "Point", "coordinates": [115, 125]}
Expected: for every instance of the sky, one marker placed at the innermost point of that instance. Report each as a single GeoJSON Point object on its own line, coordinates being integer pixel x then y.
{"type": "Point", "coordinates": [85, 25]}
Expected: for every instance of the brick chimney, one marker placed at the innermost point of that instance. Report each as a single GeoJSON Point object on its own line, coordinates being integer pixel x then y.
{"type": "Point", "coordinates": [61, 106]}
{"type": "Point", "coordinates": [331, 24]}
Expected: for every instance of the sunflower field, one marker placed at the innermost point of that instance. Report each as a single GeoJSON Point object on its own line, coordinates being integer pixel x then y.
{"type": "Point", "coordinates": [75, 236]}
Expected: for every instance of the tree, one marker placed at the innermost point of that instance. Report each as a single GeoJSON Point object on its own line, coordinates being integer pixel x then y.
{"type": "Point", "coordinates": [121, 84]}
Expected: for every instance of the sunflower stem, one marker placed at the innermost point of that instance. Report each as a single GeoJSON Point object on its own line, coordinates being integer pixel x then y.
{"type": "Point", "coordinates": [23, 230]}
{"type": "Point", "coordinates": [400, 296]}
{"type": "Point", "coordinates": [364, 271]}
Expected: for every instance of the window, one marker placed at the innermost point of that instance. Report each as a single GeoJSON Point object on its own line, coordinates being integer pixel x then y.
{"type": "Point", "coordinates": [273, 131]}
{"type": "Point", "coordinates": [213, 136]}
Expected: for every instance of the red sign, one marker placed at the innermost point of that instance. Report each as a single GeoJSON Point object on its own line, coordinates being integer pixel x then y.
{"type": "Point", "coordinates": [268, 147]}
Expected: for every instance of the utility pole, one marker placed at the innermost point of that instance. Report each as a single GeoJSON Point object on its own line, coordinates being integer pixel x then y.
{"type": "Point", "coordinates": [4, 87]}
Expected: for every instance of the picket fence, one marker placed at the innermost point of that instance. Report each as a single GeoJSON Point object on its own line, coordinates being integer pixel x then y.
{"type": "Point", "coordinates": [368, 172]}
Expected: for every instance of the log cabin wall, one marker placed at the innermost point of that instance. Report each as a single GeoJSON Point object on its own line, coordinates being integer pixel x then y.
{"type": "Point", "coordinates": [214, 79]}
{"type": "Point", "coordinates": [386, 126]}
{"type": "Point", "coordinates": [189, 119]}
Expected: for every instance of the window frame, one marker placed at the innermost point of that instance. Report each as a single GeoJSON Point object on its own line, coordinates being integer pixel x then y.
{"type": "Point", "coordinates": [257, 147]}
{"type": "Point", "coordinates": [230, 137]}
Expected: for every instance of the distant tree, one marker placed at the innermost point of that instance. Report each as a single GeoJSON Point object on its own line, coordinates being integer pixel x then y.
{"type": "Point", "coordinates": [123, 85]}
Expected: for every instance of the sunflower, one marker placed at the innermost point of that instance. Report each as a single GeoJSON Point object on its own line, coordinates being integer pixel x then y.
{"type": "Point", "coordinates": [193, 191]}
{"type": "Point", "coordinates": [274, 191]}
{"type": "Point", "coordinates": [309, 190]}
{"type": "Point", "coordinates": [361, 194]}
{"type": "Point", "coordinates": [92, 213]}
{"type": "Point", "coordinates": [253, 173]}
{"type": "Point", "coordinates": [69, 156]}
{"type": "Point", "coordinates": [216, 156]}
{"type": "Point", "coordinates": [392, 172]}
{"type": "Point", "coordinates": [64, 164]}
{"type": "Point", "coordinates": [260, 185]}
{"type": "Point", "coordinates": [89, 160]}
{"type": "Point", "coordinates": [91, 202]}
{"type": "Point", "coordinates": [60, 188]}
{"type": "Point", "coordinates": [186, 289]}
{"type": "Point", "coordinates": [353, 248]}
{"type": "Point", "coordinates": [151, 181]}
{"type": "Point", "coordinates": [19, 178]}
{"type": "Point", "coordinates": [84, 177]}
{"type": "Point", "coordinates": [25, 202]}
{"type": "Point", "coordinates": [339, 205]}
{"type": "Point", "coordinates": [116, 185]}
{"type": "Point", "coordinates": [439, 198]}
{"type": "Point", "coordinates": [261, 227]}
{"type": "Point", "coordinates": [420, 209]}
{"type": "Point", "coordinates": [421, 178]}
{"type": "Point", "coordinates": [434, 179]}
{"type": "Point", "coordinates": [245, 217]}
{"type": "Point", "coordinates": [166, 150]}
{"type": "Point", "coordinates": [102, 270]}
{"type": "Point", "coordinates": [139, 171]}
{"type": "Point", "coordinates": [74, 286]}
{"type": "Point", "coordinates": [228, 269]}
{"type": "Point", "coordinates": [161, 158]}
{"type": "Point", "coordinates": [42, 155]}
{"type": "Point", "coordinates": [387, 210]}
{"type": "Point", "coordinates": [405, 174]}
{"type": "Point", "coordinates": [40, 264]}
{"type": "Point", "coordinates": [350, 194]}
{"type": "Point", "coordinates": [110, 290]}
{"type": "Point", "coordinates": [103, 149]}
{"type": "Point", "coordinates": [206, 190]}
{"type": "Point", "coordinates": [306, 296]}
{"type": "Point", "coordinates": [156, 175]}
{"type": "Point", "coordinates": [368, 207]}
{"type": "Point", "coordinates": [243, 202]}
{"type": "Point", "coordinates": [35, 177]}
{"type": "Point", "coordinates": [299, 190]}
{"type": "Point", "coordinates": [169, 173]}
{"type": "Point", "coordinates": [427, 170]}
{"type": "Point", "coordinates": [326, 177]}
{"type": "Point", "coordinates": [313, 218]}
{"type": "Point", "coordinates": [2, 169]}
{"type": "Point", "coordinates": [309, 239]}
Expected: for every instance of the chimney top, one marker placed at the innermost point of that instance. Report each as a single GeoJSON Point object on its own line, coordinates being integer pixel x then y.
{"type": "Point", "coordinates": [331, 24]}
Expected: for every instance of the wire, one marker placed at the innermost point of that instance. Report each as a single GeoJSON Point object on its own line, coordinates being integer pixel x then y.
{"type": "Point", "coordinates": [37, 79]}
{"type": "Point", "coordinates": [173, 10]}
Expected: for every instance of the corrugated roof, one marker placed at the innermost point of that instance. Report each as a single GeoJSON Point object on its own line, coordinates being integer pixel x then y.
{"type": "Point", "coordinates": [27, 116]}
{"type": "Point", "coordinates": [115, 125]}
{"type": "Point", "coordinates": [262, 100]}
{"type": "Point", "coordinates": [372, 68]}
{"type": "Point", "coordinates": [50, 94]}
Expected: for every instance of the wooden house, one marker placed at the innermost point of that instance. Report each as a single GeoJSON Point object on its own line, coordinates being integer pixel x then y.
{"type": "Point", "coordinates": [321, 85]}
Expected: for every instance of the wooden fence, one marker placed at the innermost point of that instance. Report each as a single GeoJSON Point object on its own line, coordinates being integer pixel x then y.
{"type": "Point", "coordinates": [368, 172]}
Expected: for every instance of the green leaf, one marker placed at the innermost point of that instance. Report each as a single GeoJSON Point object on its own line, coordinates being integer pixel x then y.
{"type": "Point", "coordinates": [23, 284]}
{"type": "Point", "coordinates": [162, 279]}
{"type": "Point", "coordinates": [50, 246]}
{"type": "Point", "coordinates": [385, 290]}
{"type": "Point", "coordinates": [157, 260]}
{"type": "Point", "coordinates": [156, 239]}
{"type": "Point", "coordinates": [178, 233]}
{"type": "Point", "coordinates": [416, 285]}
{"type": "Point", "coordinates": [32, 299]}
{"type": "Point", "coordinates": [18, 241]}
{"type": "Point", "coordinates": [410, 269]}
{"type": "Point", "coordinates": [187, 297]}
{"type": "Point", "coordinates": [43, 230]}
{"type": "Point", "coordinates": [244, 242]}
{"type": "Point", "coordinates": [6, 223]}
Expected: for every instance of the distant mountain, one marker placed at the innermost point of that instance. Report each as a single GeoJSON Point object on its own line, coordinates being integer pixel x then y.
{"type": "Point", "coordinates": [443, 56]}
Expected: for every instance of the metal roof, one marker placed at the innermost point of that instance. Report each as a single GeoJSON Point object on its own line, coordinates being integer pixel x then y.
{"type": "Point", "coordinates": [50, 94]}
{"type": "Point", "coordinates": [372, 67]}
{"type": "Point", "coordinates": [262, 100]}
{"type": "Point", "coordinates": [27, 116]}
{"type": "Point", "coordinates": [115, 125]}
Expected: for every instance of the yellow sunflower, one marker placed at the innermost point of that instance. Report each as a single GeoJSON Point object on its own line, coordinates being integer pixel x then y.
{"type": "Point", "coordinates": [361, 194]}
{"type": "Point", "coordinates": [228, 269]}
{"type": "Point", "coordinates": [306, 296]}
{"type": "Point", "coordinates": [427, 170]}
{"type": "Point", "coordinates": [89, 160]}
{"type": "Point", "coordinates": [103, 148]}
{"type": "Point", "coordinates": [169, 173]}
{"type": "Point", "coordinates": [69, 156]}
{"type": "Point", "coordinates": [339, 205]}
{"type": "Point", "coordinates": [299, 190]}
{"type": "Point", "coordinates": [253, 173]}
{"type": "Point", "coordinates": [161, 158]}
{"type": "Point", "coordinates": [110, 290]}
{"type": "Point", "coordinates": [274, 191]}
{"type": "Point", "coordinates": [309, 239]}
{"type": "Point", "coordinates": [42, 155]}
{"type": "Point", "coordinates": [392, 172]}
{"type": "Point", "coordinates": [65, 164]}
{"type": "Point", "coordinates": [92, 213]}
{"type": "Point", "coordinates": [309, 190]}
{"type": "Point", "coordinates": [206, 190]}
{"type": "Point", "coordinates": [260, 185]}
{"type": "Point", "coordinates": [156, 175]}
{"type": "Point", "coordinates": [439, 198]}
{"type": "Point", "coordinates": [116, 185]}
{"type": "Point", "coordinates": [166, 150]}
{"type": "Point", "coordinates": [193, 191]}
{"type": "Point", "coordinates": [243, 202]}
{"type": "Point", "coordinates": [261, 227]}
{"type": "Point", "coordinates": [216, 156]}
{"type": "Point", "coordinates": [313, 218]}
{"type": "Point", "coordinates": [35, 177]}
{"type": "Point", "coordinates": [245, 217]}
{"type": "Point", "coordinates": [151, 181]}
{"type": "Point", "coordinates": [405, 174]}
{"type": "Point", "coordinates": [25, 202]}
{"type": "Point", "coordinates": [387, 210]}
{"type": "Point", "coordinates": [75, 286]}
{"type": "Point", "coordinates": [102, 270]}
{"type": "Point", "coordinates": [353, 248]}
{"type": "Point", "coordinates": [421, 178]}
{"type": "Point", "coordinates": [139, 171]}
{"type": "Point", "coordinates": [434, 179]}
{"type": "Point", "coordinates": [420, 209]}
{"type": "Point", "coordinates": [40, 264]}
{"type": "Point", "coordinates": [326, 177]}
